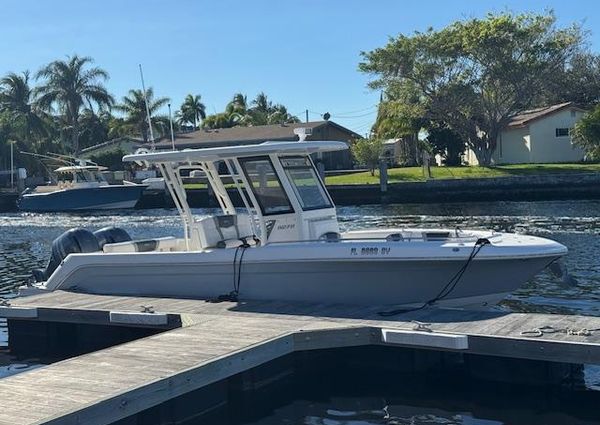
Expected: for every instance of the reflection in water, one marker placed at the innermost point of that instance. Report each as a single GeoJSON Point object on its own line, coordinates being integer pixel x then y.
{"type": "Point", "coordinates": [342, 394]}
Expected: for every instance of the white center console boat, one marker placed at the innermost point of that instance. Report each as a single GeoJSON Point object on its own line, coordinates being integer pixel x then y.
{"type": "Point", "coordinates": [285, 244]}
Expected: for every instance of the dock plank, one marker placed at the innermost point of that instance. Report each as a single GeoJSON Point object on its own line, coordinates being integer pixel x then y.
{"type": "Point", "coordinates": [217, 340]}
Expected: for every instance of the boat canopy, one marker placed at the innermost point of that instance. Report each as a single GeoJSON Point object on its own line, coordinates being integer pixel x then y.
{"type": "Point", "coordinates": [216, 154]}
{"type": "Point", "coordinates": [277, 182]}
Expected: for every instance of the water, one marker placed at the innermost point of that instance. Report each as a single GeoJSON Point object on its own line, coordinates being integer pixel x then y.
{"type": "Point", "coordinates": [422, 399]}
{"type": "Point", "coordinates": [25, 241]}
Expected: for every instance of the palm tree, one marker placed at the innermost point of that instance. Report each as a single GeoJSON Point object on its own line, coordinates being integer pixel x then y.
{"type": "Point", "coordinates": [262, 103]}
{"type": "Point", "coordinates": [17, 101]}
{"type": "Point", "coordinates": [192, 110]}
{"type": "Point", "coordinates": [71, 87]}
{"type": "Point", "coordinates": [238, 104]}
{"type": "Point", "coordinates": [134, 108]}
{"type": "Point", "coordinates": [280, 115]}
{"type": "Point", "coordinates": [94, 127]}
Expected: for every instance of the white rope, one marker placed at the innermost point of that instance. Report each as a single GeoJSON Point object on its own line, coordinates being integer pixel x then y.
{"type": "Point", "coordinates": [547, 330]}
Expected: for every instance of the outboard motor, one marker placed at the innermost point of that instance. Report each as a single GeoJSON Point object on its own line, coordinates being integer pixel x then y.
{"type": "Point", "coordinates": [71, 242]}
{"type": "Point", "coordinates": [111, 235]}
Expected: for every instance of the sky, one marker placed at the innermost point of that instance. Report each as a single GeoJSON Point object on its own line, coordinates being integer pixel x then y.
{"type": "Point", "coordinates": [303, 54]}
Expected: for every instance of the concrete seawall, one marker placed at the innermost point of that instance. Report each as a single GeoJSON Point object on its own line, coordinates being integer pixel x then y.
{"type": "Point", "coordinates": [522, 188]}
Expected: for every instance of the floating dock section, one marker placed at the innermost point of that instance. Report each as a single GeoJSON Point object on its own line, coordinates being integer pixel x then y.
{"type": "Point", "coordinates": [167, 348]}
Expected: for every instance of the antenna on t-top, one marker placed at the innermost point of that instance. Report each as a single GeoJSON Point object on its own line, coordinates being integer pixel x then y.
{"type": "Point", "coordinates": [147, 110]}
{"type": "Point", "coordinates": [171, 125]}
{"type": "Point", "coordinates": [302, 133]}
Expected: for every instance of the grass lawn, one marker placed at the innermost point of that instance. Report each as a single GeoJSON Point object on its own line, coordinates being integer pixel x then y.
{"type": "Point", "coordinates": [408, 174]}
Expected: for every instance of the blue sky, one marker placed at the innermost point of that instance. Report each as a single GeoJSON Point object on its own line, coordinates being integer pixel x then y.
{"type": "Point", "coordinates": [303, 54]}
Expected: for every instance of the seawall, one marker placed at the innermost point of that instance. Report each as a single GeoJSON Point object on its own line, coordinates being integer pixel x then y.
{"type": "Point", "coordinates": [519, 188]}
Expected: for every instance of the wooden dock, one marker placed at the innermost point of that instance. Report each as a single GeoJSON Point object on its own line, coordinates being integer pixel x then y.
{"type": "Point", "coordinates": [204, 343]}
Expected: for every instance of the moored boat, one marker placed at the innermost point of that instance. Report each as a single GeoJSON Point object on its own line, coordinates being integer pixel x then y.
{"type": "Point", "coordinates": [80, 187]}
{"type": "Point", "coordinates": [285, 244]}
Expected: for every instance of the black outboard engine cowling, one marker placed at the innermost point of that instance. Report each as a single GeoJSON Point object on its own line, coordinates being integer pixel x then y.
{"type": "Point", "coordinates": [71, 242]}
{"type": "Point", "coordinates": [111, 235]}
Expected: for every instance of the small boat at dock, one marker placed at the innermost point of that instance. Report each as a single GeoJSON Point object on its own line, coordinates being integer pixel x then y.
{"type": "Point", "coordinates": [80, 186]}
{"type": "Point", "coordinates": [285, 243]}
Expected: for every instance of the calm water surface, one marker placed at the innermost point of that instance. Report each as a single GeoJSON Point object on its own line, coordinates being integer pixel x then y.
{"type": "Point", "coordinates": [25, 241]}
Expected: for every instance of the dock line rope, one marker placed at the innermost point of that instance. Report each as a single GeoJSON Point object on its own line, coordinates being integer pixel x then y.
{"type": "Point", "coordinates": [237, 274]}
{"type": "Point", "coordinates": [449, 287]}
{"type": "Point", "coordinates": [547, 330]}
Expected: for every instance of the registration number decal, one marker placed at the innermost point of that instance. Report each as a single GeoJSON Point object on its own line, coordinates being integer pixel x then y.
{"type": "Point", "coordinates": [370, 251]}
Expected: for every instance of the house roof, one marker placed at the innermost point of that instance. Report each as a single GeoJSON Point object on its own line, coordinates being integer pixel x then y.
{"type": "Point", "coordinates": [113, 142]}
{"type": "Point", "coordinates": [530, 115]}
{"type": "Point", "coordinates": [246, 135]}
{"type": "Point", "coordinates": [223, 152]}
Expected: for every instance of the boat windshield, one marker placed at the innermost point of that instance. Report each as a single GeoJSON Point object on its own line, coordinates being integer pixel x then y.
{"type": "Point", "coordinates": [266, 185]}
{"type": "Point", "coordinates": [306, 184]}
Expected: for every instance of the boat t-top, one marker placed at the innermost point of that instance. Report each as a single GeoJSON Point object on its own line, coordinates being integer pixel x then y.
{"type": "Point", "coordinates": [283, 242]}
{"type": "Point", "coordinates": [80, 185]}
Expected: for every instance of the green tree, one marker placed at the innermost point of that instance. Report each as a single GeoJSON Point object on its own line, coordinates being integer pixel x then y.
{"type": "Point", "coordinates": [119, 127]}
{"type": "Point", "coordinates": [192, 110]}
{"type": "Point", "coordinates": [134, 107]}
{"type": "Point", "coordinates": [262, 112]}
{"type": "Point", "coordinates": [367, 152]}
{"type": "Point", "coordinates": [280, 115]}
{"type": "Point", "coordinates": [586, 133]}
{"type": "Point", "coordinates": [445, 142]}
{"type": "Point", "coordinates": [110, 159]}
{"type": "Point", "coordinates": [578, 82]}
{"type": "Point", "coordinates": [94, 127]}
{"type": "Point", "coordinates": [220, 120]}
{"type": "Point", "coordinates": [27, 121]}
{"type": "Point", "coordinates": [72, 85]}
{"type": "Point", "coordinates": [399, 116]}
{"type": "Point", "coordinates": [475, 74]}
{"type": "Point", "coordinates": [239, 104]}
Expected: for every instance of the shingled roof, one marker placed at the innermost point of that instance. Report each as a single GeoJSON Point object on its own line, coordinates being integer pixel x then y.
{"type": "Point", "coordinates": [250, 135]}
{"type": "Point", "coordinates": [526, 117]}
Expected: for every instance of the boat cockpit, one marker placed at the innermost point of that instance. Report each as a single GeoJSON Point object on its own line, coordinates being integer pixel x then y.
{"type": "Point", "coordinates": [282, 195]}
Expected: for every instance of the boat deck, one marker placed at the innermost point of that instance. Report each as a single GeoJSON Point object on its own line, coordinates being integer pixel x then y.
{"type": "Point", "coordinates": [208, 342]}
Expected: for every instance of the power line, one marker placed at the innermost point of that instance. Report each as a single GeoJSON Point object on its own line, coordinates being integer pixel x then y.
{"type": "Point", "coordinates": [345, 115]}
{"type": "Point", "coordinates": [354, 116]}
{"type": "Point", "coordinates": [358, 110]}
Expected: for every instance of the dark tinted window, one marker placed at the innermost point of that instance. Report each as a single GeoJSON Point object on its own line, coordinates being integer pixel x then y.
{"type": "Point", "coordinates": [307, 186]}
{"type": "Point", "coordinates": [266, 185]}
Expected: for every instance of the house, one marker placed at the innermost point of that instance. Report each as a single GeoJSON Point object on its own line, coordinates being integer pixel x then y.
{"type": "Point", "coordinates": [319, 130]}
{"type": "Point", "coordinates": [391, 151]}
{"type": "Point", "coordinates": [539, 135]}
{"type": "Point", "coordinates": [206, 138]}
{"type": "Point", "coordinates": [402, 151]}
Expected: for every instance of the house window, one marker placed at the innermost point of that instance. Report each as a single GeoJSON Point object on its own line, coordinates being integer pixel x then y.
{"type": "Point", "coordinates": [562, 132]}
{"type": "Point", "coordinates": [573, 114]}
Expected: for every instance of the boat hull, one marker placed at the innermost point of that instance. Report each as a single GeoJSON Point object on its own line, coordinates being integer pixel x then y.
{"type": "Point", "coordinates": [81, 199]}
{"type": "Point", "coordinates": [348, 281]}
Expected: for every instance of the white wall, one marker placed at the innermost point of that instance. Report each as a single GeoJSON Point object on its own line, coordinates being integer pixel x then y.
{"type": "Point", "coordinates": [513, 147]}
{"type": "Point", "coordinates": [537, 142]}
{"type": "Point", "coordinates": [546, 147]}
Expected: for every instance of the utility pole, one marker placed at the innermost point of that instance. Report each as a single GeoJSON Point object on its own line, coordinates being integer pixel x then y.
{"type": "Point", "coordinates": [307, 115]}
